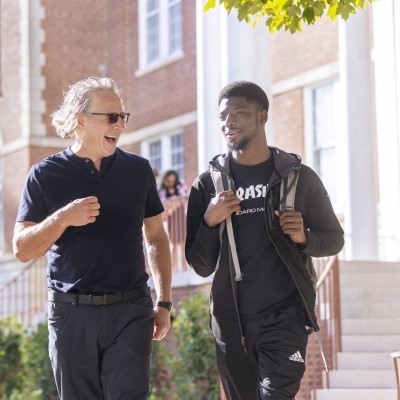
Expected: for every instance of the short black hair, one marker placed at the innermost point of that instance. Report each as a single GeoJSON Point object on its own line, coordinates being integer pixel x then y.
{"type": "Point", "coordinates": [249, 90]}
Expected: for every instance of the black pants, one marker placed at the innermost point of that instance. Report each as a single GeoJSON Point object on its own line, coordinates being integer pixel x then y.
{"type": "Point", "coordinates": [273, 365]}
{"type": "Point", "coordinates": [101, 352]}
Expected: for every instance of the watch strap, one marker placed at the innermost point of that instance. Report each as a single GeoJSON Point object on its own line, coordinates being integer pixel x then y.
{"type": "Point", "coordinates": [164, 304]}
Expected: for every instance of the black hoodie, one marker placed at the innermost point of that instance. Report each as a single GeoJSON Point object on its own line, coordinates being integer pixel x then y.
{"type": "Point", "coordinates": [207, 249]}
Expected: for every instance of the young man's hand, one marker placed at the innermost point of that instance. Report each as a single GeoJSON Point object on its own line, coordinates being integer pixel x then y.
{"type": "Point", "coordinates": [292, 224]}
{"type": "Point", "coordinates": [221, 207]}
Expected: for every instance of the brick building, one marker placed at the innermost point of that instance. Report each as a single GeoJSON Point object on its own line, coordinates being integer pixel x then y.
{"type": "Point", "coordinates": [334, 92]}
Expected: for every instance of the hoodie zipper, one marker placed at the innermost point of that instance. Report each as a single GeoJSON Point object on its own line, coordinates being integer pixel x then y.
{"type": "Point", "coordinates": [314, 329]}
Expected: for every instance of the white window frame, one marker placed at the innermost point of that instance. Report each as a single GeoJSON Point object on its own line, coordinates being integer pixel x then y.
{"type": "Point", "coordinates": [165, 56]}
{"type": "Point", "coordinates": [309, 132]}
{"type": "Point", "coordinates": [166, 152]}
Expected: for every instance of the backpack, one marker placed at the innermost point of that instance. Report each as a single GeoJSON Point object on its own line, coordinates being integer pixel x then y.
{"type": "Point", "coordinates": [286, 202]}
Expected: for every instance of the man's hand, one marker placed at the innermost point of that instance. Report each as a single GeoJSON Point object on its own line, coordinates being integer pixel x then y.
{"type": "Point", "coordinates": [162, 323]}
{"type": "Point", "coordinates": [292, 224]}
{"type": "Point", "coordinates": [81, 211]}
{"type": "Point", "coordinates": [221, 207]}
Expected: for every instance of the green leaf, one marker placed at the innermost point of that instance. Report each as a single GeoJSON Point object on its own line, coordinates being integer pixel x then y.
{"type": "Point", "coordinates": [209, 5]}
{"type": "Point", "coordinates": [332, 11]}
{"type": "Point", "coordinates": [309, 15]}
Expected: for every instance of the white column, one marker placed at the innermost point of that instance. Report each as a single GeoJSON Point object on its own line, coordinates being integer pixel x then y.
{"type": "Point", "coordinates": [209, 138]}
{"type": "Point", "coordinates": [227, 50]}
{"type": "Point", "coordinates": [357, 102]}
{"type": "Point", "coordinates": [387, 88]}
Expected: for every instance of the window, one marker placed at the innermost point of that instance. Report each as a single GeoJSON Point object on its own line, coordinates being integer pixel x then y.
{"type": "Point", "coordinates": [322, 138]}
{"type": "Point", "coordinates": [155, 156]}
{"type": "Point", "coordinates": [160, 31]}
{"type": "Point", "coordinates": [177, 156]}
{"type": "Point", "coordinates": [166, 153]}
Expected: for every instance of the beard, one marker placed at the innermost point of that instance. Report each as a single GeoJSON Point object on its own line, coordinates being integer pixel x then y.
{"type": "Point", "coordinates": [239, 145]}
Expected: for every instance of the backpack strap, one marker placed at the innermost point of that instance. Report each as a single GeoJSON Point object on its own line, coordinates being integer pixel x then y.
{"type": "Point", "coordinates": [222, 183]}
{"type": "Point", "coordinates": [288, 191]}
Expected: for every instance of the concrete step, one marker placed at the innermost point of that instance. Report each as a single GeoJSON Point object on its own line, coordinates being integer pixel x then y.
{"type": "Point", "coordinates": [370, 326]}
{"type": "Point", "coordinates": [370, 343]}
{"type": "Point", "coordinates": [370, 310]}
{"type": "Point", "coordinates": [356, 394]}
{"type": "Point", "coordinates": [374, 379]}
{"type": "Point", "coordinates": [361, 294]}
{"type": "Point", "coordinates": [365, 360]}
{"type": "Point", "coordinates": [369, 281]}
{"type": "Point", "coordinates": [365, 267]}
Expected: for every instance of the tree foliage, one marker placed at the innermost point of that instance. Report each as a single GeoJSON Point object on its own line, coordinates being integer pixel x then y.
{"type": "Point", "coordinates": [288, 14]}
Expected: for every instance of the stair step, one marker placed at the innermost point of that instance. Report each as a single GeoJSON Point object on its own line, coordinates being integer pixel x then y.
{"type": "Point", "coordinates": [370, 343]}
{"type": "Point", "coordinates": [356, 394]}
{"type": "Point", "coordinates": [365, 360]}
{"type": "Point", "coordinates": [370, 308]}
{"type": "Point", "coordinates": [367, 326]}
{"type": "Point", "coordinates": [374, 310]}
{"type": "Point", "coordinates": [374, 379]}
{"type": "Point", "coordinates": [365, 267]}
{"type": "Point", "coordinates": [361, 294]}
{"type": "Point", "coordinates": [370, 281]}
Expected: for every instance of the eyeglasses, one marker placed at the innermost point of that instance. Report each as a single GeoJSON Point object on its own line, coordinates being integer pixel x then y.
{"type": "Point", "coordinates": [113, 117]}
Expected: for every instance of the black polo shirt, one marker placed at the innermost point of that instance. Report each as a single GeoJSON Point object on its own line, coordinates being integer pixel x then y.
{"type": "Point", "coordinates": [107, 255]}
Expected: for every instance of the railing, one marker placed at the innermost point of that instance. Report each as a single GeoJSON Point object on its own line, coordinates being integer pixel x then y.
{"type": "Point", "coordinates": [328, 339]}
{"type": "Point", "coordinates": [26, 298]}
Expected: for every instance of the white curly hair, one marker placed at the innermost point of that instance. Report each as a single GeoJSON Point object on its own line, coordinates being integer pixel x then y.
{"type": "Point", "coordinates": [77, 101]}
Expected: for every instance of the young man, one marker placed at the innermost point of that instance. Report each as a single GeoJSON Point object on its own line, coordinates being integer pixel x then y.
{"type": "Point", "coordinates": [86, 207]}
{"type": "Point", "coordinates": [263, 294]}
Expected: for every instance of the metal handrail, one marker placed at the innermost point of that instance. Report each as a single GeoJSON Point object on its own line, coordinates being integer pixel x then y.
{"type": "Point", "coordinates": [328, 339]}
{"type": "Point", "coordinates": [25, 296]}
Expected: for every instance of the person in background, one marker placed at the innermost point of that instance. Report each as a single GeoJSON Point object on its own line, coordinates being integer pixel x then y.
{"type": "Point", "coordinates": [171, 186]}
{"type": "Point", "coordinates": [263, 292]}
{"type": "Point", "coordinates": [172, 194]}
{"type": "Point", "coordinates": [86, 208]}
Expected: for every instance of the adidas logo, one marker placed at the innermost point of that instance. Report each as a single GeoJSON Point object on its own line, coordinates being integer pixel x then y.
{"type": "Point", "coordinates": [296, 357]}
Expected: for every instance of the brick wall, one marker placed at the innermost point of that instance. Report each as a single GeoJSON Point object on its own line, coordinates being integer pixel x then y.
{"type": "Point", "coordinates": [288, 122]}
{"type": "Point", "coordinates": [74, 47]}
{"type": "Point", "coordinates": [313, 47]}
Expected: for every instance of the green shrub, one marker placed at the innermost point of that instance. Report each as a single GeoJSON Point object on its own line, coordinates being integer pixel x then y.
{"type": "Point", "coordinates": [25, 370]}
{"type": "Point", "coordinates": [194, 370]}
{"type": "Point", "coordinates": [10, 356]}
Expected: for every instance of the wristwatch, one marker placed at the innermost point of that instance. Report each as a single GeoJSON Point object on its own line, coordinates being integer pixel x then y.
{"type": "Point", "coordinates": [164, 304]}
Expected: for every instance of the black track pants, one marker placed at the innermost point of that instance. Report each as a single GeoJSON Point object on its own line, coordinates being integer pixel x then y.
{"type": "Point", "coordinates": [101, 352]}
{"type": "Point", "coordinates": [274, 364]}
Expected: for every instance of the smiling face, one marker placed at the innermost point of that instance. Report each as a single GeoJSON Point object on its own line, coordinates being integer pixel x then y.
{"type": "Point", "coordinates": [95, 136]}
{"type": "Point", "coordinates": [242, 122]}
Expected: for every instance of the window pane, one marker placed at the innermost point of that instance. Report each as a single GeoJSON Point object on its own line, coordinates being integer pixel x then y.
{"type": "Point", "coordinates": [177, 154]}
{"type": "Point", "coordinates": [175, 28]}
{"type": "Point", "coordinates": [324, 113]}
{"type": "Point", "coordinates": [153, 35]}
{"type": "Point", "coordinates": [152, 5]}
{"type": "Point", "coordinates": [155, 155]}
{"type": "Point", "coordinates": [324, 130]}
{"type": "Point", "coordinates": [327, 171]}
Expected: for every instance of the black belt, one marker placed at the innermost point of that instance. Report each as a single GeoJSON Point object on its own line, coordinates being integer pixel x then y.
{"type": "Point", "coordinates": [99, 299]}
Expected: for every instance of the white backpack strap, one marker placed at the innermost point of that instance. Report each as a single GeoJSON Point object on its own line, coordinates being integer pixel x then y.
{"type": "Point", "coordinates": [219, 187]}
{"type": "Point", "coordinates": [288, 191]}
